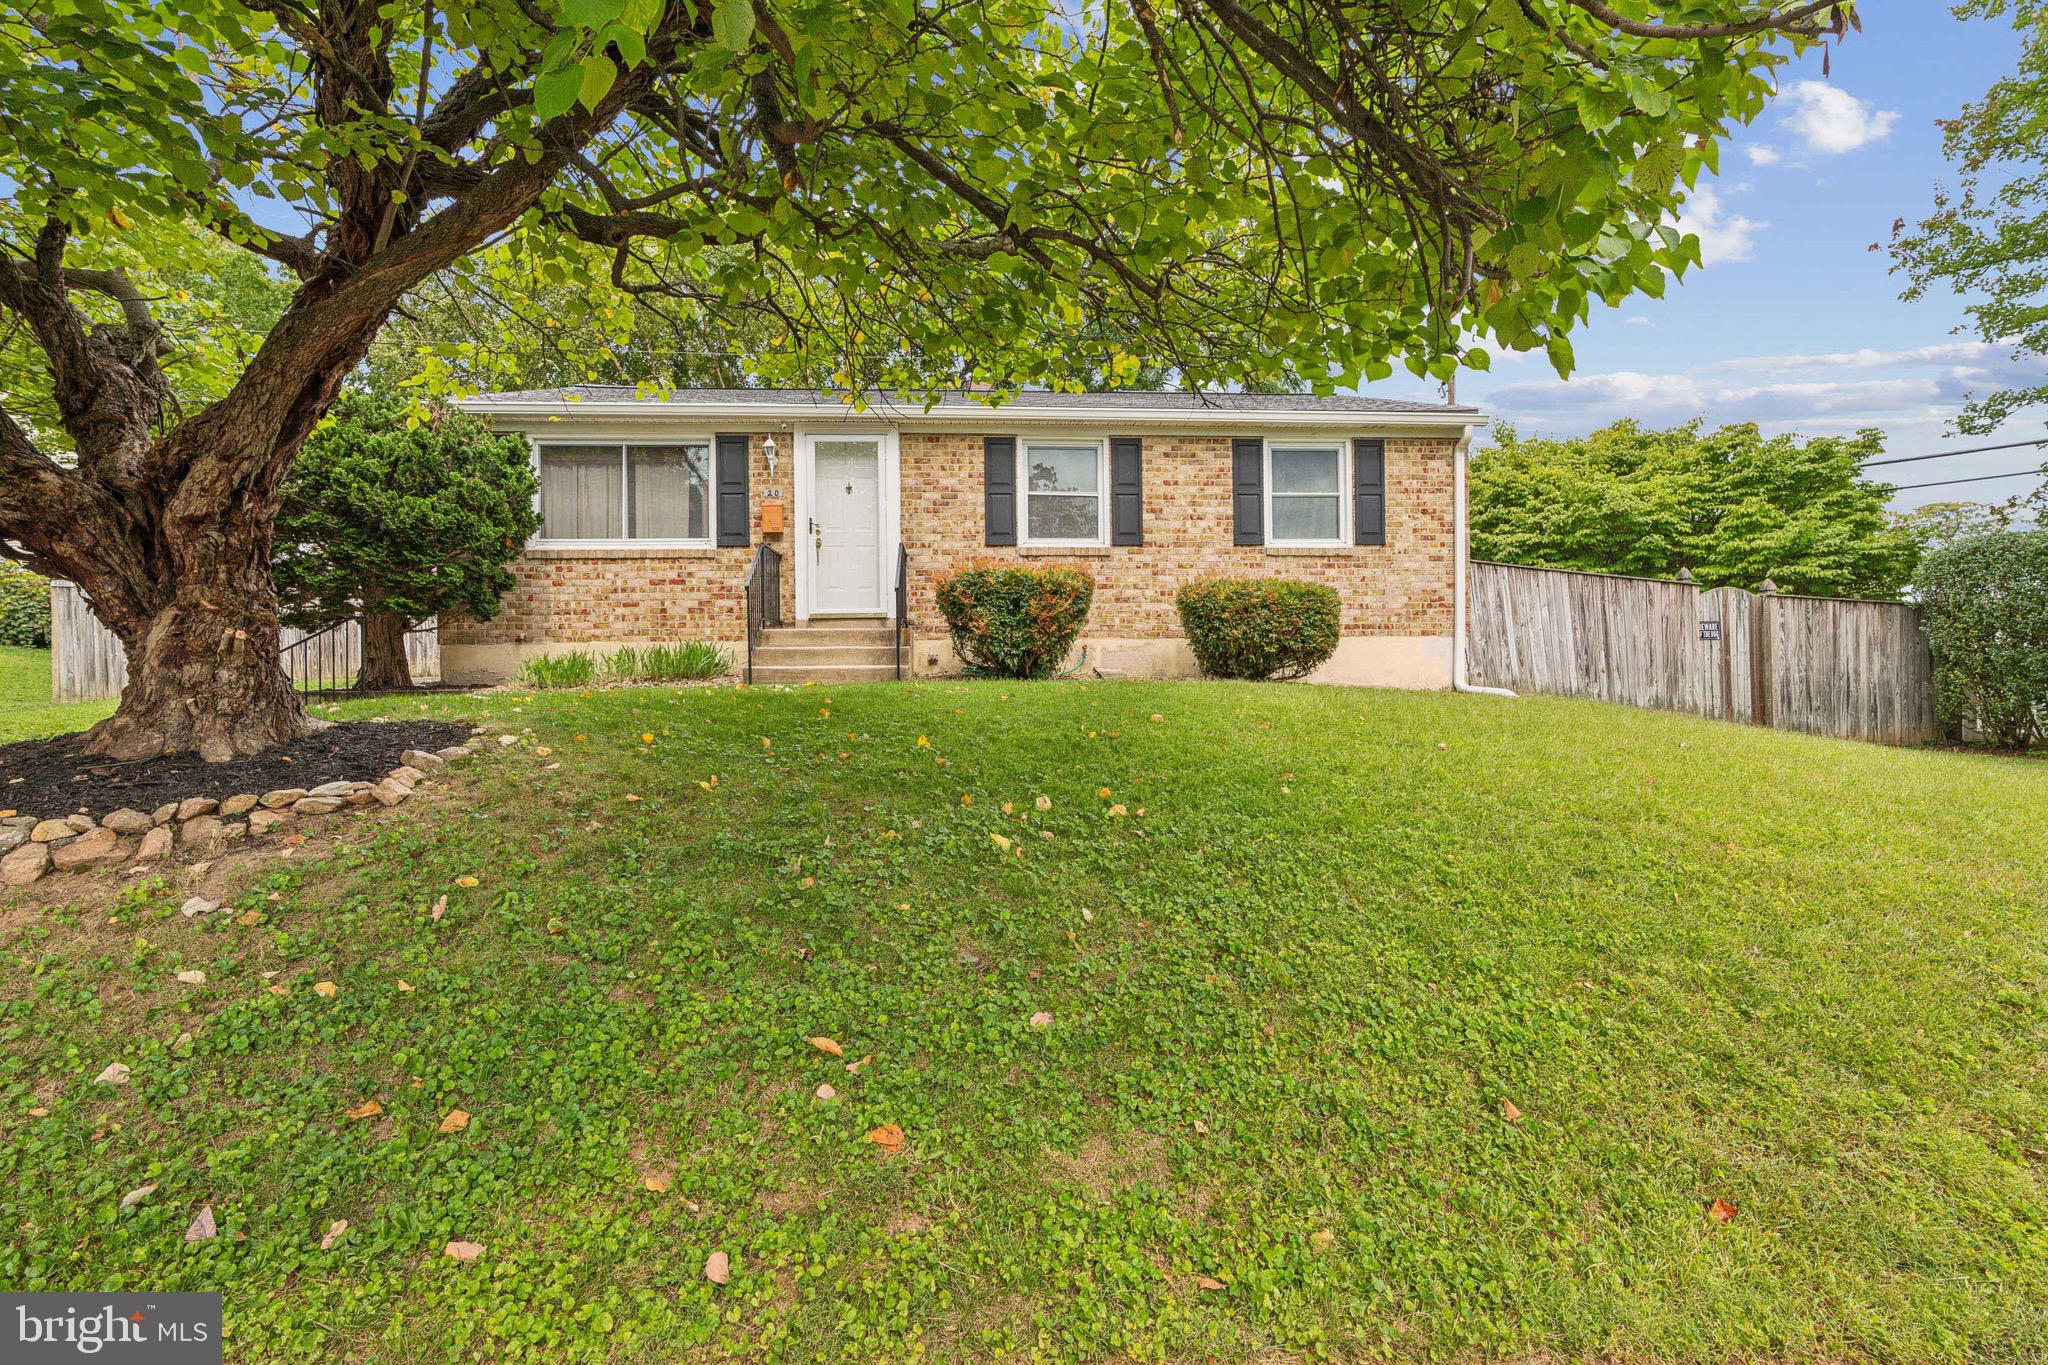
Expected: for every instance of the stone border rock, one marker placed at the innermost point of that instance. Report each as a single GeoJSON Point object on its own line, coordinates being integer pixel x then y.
{"type": "Point", "coordinates": [31, 847]}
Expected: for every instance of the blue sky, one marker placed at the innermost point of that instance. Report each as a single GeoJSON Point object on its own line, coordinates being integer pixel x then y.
{"type": "Point", "coordinates": [1794, 323]}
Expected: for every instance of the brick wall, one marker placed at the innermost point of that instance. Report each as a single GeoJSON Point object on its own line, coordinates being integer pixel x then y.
{"type": "Point", "coordinates": [1400, 589]}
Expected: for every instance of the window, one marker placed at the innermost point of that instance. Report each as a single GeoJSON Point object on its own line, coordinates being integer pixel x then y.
{"type": "Point", "coordinates": [659, 493]}
{"type": "Point", "coordinates": [1063, 501]}
{"type": "Point", "coordinates": [1304, 494]}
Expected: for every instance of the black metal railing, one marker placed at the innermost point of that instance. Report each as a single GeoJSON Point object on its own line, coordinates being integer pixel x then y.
{"type": "Point", "coordinates": [764, 598]}
{"type": "Point", "coordinates": [329, 661]}
{"type": "Point", "coordinates": [902, 604]}
{"type": "Point", "coordinates": [319, 664]}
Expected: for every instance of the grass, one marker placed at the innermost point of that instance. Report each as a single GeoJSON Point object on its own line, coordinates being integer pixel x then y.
{"type": "Point", "coordinates": [1290, 987]}
{"type": "Point", "coordinates": [26, 711]}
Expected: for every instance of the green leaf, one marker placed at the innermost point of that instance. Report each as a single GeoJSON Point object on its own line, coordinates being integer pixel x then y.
{"type": "Point", "coordinates": [732, 24]}
{"type": "Point", "coordinates": [556, 91]}
{"type": "Point", "coordinates": [599, 75]}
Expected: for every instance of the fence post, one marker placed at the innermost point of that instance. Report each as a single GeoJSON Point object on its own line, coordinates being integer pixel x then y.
{"type": "Point", "coordinates": [1763, 655]}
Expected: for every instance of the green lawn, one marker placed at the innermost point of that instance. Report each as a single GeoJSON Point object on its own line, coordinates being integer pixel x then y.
{"type": "Point", "coordinates": [26, 711]}
{"type": "Point", "coordinates": [1290, 990]}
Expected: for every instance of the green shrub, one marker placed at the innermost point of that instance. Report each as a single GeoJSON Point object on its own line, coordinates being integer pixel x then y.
{"type": "Point", "coordinates": [24, 607]}
{"type": "Point", "coordinates": [1987, 623]}
{"type": "Point", "coordinates": [1014, 622]}
{"type": "Point", "coordinates": [1259, 627]}
{"type": "Point", "coordinates": [574, 669]}
{"type": "Point", "coordinates": [689, 661]}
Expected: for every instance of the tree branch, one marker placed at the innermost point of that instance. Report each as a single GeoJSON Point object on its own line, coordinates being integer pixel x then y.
{"type": "Point", "coordinates": [1795, 20]}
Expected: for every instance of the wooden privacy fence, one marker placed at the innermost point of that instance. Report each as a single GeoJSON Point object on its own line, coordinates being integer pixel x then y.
{"type": "Point", "coordinates": [1823, 665]}
{"type": "Point", "coordinates": [87, 662]}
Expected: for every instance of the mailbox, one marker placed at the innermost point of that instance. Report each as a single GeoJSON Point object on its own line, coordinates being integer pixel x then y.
{"type": "Point", "coordinates": [771, 517]}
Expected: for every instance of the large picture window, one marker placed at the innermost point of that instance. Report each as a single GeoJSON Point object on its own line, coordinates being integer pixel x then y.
{"type": "Point", "coordinates": [625, 493]}
{"type": "Point", "coordinates": [1304, 494]}
{"type": "Point", "coordinates": [1063, 495]}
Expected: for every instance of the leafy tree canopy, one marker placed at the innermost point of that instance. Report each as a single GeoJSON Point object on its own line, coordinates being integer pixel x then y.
{"type": "Point", "coordinates": [1732, 506]}
{"type": "Point", "coordinates": [1987, 239]}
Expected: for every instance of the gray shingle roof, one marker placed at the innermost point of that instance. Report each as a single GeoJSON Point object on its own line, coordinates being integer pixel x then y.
{"type": "Point", "coordinates": [956, 400]}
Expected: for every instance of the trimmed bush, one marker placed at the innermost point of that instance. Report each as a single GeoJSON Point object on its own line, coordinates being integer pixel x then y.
{"type": "Point", "coordinates": [24, 607]}
{"type": "Point", "coordinates": [1987, 623]}
{"type": "Point", "coordinates": [1012, 621]}
{"type": "Point", "coordinates": [1259, 627]}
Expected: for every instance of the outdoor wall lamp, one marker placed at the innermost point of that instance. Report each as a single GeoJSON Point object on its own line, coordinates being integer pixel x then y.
{"type": "Point", "coordinates": [768, 449]}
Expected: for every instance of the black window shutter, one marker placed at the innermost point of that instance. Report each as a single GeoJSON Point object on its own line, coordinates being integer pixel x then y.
{"type": "Point", "coordinates": [999, 489]}
{"type": "Point", "coordinates": [1369, 491]}
{"type": "Point", "coordinates": [1126, 490]}
{"type": "Point", "coordinates": [1247, 491]}
{"type": "Point", "coordinates": [735, 518]}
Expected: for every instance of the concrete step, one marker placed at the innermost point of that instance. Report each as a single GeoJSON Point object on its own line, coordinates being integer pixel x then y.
{"type": "Point", "coordinates": [828, 635]}
{"type": "Point", "coordinates": [821, 673]}
{"type": "Point", "coordinates": [815, 656]}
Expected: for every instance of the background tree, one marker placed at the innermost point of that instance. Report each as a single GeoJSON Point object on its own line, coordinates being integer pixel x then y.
{"type": "Point", "coordinates": [393, 519]}
{"type": "Point", "coordinates": [905, 193]}
{"type": "Point", "coordinates": [1731, 505]}
{"type": "Point", "coordinates": [1988, 239]}
{"type": "Point", "coordinates": [1938, 525]}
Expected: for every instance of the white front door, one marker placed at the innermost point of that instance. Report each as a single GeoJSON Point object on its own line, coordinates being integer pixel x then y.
{"type": "Point", "coordinates": [846, 524]}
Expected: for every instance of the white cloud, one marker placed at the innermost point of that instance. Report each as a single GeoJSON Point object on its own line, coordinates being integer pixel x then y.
{"type": "Point", "coordinates": [1866, 358]}
{"type": "Point", "coordinates": [1864, 387]}
{"type": "Point", "coordinates": [1830, 120]}
{"type": "Point", "coordinates": [1724, 237]}
{"type": "Point", "coordinates": [1762, 154]}
{"type": "Point", "coordinates": [1637, 322]}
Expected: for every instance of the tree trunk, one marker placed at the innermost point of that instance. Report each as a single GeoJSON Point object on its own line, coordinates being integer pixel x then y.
{"type": "Point", "coordinates": [385, 667]}
{"type": "Point", "coordinates": [201, 637]}
{"type": "Point", "coordinates": [203, 669]}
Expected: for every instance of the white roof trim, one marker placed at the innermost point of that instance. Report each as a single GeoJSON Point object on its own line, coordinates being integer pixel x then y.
{"type": "Point", "coordinates": [986, 419]}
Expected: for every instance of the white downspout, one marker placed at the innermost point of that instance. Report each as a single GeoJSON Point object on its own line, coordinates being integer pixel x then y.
{"type": "Point", "coordinates": [1458, 678]}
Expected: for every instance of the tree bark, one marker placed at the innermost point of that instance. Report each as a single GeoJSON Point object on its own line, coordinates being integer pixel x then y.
{"type": "Point", "coordinates": [385, 667]}
{"type": "Point", "coordinates": [203, 666]}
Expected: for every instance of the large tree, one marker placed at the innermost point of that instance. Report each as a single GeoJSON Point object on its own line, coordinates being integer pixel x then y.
{"type": "Point", "coordinates": [915, 191]}
{"type": "Point", "coordinates": [1987, 238]}
{"type": "Point", "coordinates": [1730, 506]}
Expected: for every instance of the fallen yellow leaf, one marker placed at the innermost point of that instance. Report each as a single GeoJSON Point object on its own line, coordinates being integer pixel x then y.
{"type": "Point", "coordinates": [1509, 1112]}
{"type": "Point", "coordinates": [368, 1109]}
{"type": "Point", "coordinates": [463, 1251]}
{"type": "Point", "coordinates": [655, 1184]}
{"type": "Point", "coordinates": [327, 988]}
{"type": "Point", "coordinates": [455, 1122]}
{"type": "Point", "coordinates": [889, 1137]}
{"type": "Point", "coordinates": [465, 881]}
{"type": "Point", "coordinates": [828, 1046]}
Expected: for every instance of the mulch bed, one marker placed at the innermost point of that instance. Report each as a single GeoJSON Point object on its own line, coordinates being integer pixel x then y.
{"type": "Point", "coordinates": [51, 778]}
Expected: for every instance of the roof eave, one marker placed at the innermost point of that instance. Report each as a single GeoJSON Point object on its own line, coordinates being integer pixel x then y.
{"type": "Point", "coordinates": [797, 414]}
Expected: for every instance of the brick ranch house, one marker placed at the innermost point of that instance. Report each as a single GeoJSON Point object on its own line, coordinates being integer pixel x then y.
{"type": "Point", "coordinates": [655, 509]}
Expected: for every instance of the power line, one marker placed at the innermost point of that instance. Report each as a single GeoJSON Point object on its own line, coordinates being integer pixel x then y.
{"type": "Point", "coordinates": [1981, 478]}
{"type": "Point", "coordinates": [1944, 454]}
